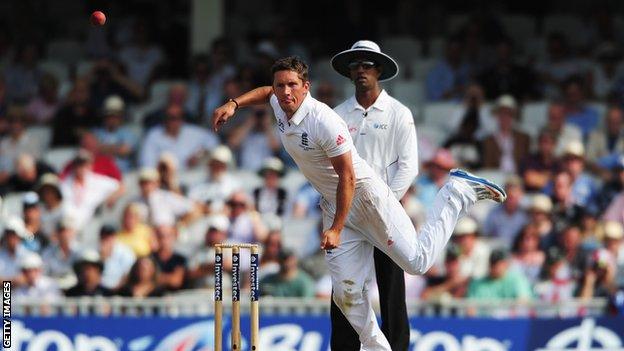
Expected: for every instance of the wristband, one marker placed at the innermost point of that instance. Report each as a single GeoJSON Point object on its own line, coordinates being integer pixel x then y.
{"type": "Point", "coordinates": [235, 103]}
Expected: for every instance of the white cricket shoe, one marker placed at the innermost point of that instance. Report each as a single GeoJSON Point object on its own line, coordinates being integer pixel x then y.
{"type": "Point", "coordinates": [484, 189]}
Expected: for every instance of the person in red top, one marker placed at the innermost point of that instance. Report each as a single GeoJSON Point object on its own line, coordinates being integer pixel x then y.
{"type": "Point", "coordinates": [102, 164]}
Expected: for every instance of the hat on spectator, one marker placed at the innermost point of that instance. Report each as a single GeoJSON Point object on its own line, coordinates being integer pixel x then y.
{"type": "Point", "coordinates": [148, 175]}
{"type": "Point", "coordinates": [613, 230]}
{"type": "Point", "coordinates": [16, 226]}
{"type": "Point", "coordinates": [30, 199]}
{"type": "Point", "coordinates": [505, 101]}
{"type": "Point", "coordinates": [498, 255]}
{"type": "Point", "coordinates": [30, 260]}
{"type": "Point", "coordinates": [513, 181]}
{"type": "Point", "coordinates": [51, 180]}
{"type": "Point", "coordinates": [369, 50]}
{"type": "Point", "coordinates": [89, 256]}
{"type": "Point", "coordinates": [67, 222]}
{"type": "Point", "coordinates": [442, 158]}
{"type": "Point", "coordinates": [113, 105]}
{"type": "Point", "coordinates": [574, 148]}
{"type": "Point", "coordinates": [219, 222]}
{"type": "Point", "coordinates": [222, 154]}
{"type": "Point", "coordinates": [465, 226]}
{"type": "Point", "coordinates": [541, 203]}
{"type": "Point", "coordinates": [273, 164]}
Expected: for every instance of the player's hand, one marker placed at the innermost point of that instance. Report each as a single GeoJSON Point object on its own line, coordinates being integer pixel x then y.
{"type": "Point", "coordinates": [331, 239]}
{"type": "Point", "coordinates": [222, 114]}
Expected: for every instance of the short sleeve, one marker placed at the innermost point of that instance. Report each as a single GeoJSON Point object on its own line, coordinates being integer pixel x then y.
{"type": "Point", "coordinates": [332, 135]}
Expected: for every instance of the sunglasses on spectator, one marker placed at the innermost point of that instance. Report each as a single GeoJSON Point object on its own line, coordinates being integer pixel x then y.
{"type": "Point", "coordinates": [236, 204]}
{"type": "Point", "coordinates": [364, 64]}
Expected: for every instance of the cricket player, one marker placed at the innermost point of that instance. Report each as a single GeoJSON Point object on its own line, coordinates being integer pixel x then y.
{"type": "Point", "coordinates": [384, 135]}
{"type": "Point", "coordinates": [360, 211]}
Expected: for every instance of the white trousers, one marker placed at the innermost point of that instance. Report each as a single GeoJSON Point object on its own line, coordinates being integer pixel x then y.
{"type": "Point", "coordinates": [377, 219]}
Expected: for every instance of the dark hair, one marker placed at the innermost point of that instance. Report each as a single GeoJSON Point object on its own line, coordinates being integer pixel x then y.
{"type": "Point", "coordinates": [291, 63]}
{"type": "Point", "coordinates": [133, 275]}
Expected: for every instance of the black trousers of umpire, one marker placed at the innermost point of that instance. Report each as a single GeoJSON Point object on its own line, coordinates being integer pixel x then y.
{"type": "Point", "coordinates": [394, 322]}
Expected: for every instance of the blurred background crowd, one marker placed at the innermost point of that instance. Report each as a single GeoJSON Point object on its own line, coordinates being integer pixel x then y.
{"type": "Point", "coordinates": [113, 183]}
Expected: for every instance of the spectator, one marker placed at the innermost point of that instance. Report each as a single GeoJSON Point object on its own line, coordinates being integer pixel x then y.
{"type": "Point", "coordinates": [271, 197]}
{"type": "Point", "coordinates": [102, 164]}
{"type": "Point", "coordinates": [614, 243]}
{"type": "Point", "coordinates": [326, 93]}
{"type": "Point", "coordinates": [505, 220]}
{"type": "Point", "coordinates": [290, 281]}
{"type": "Point", "coordinates": [12, 249]}
{"type": "Point", "coordinates": [507, 146]}
{"type": "Point", "coordinates": [448, 78]}
{"type": "Point", "coordinates": [17, 142]}
{"type": "Point", "coordinates": [578, 112]}
{"type": "Point", "coordinates": [84, 190]}
{"type": "Point", "coordinates": [164, 207]}
{"type": "Point", "coordinates": [306, 203]}
{"type": "Point", "coordinates": [255, 140]}
{"type": "Point", "coordinates": [23, 75]}
{"type": "Point", "coordinates": [171, 265]}
{"type": "Point", "coordinates": [584, 187]}
{"type": "Point", "coordinates": [115, 139]}
{"type": "Point", "coordinates": [556, 284]}
{"type": "Point", "coordinates": [75, 116]}
{"type": "Point", "coordinates": [538, 168]}
{"type": "Point", "coordinates": [501, 282]}
{"type": "Point", "coordinates": [108, 79]}
{"type": "Point", "coordinates": [28, 173]}
{"type": "Point", "coordinates": [88, 268]}
{"type": "Point", "coordinates": [563, 131]}
{"type": "Point", "coordinates": [474, 252]}
{"type": "Point", "coordinates": [187, 142]}
{"type": "Point", "coordinates": [42, 108]}
{"type": "Point", "coordinates": [49, 192]}
{"type": "Point", "coordinates": [168, 173]}
{"type": "Point", "coordinates": [612, 186]}
{"type": "Point", "coordinates": [598, 279]}
{"type": "Point", "coordinates": [117, 258]}
{"type": "Point", "coordinates": [437, 169]}
{"type": "Point", "coordinates": [219, 185]}
{"type": "Point", "coordinates": [506, 76]}
{"type": "Point", "coordinates": [143, 280]}
{"type": "Point", "coordinates": [32, 222]}
{"type": "Point", "coordinates": [269, 262]}
{"type": "Point", "coordinates": [135, 233]}
{"type": "Point", "coordinates": [557, 66]}
{"type": "Point", "coordinates": [539, 214]}
{"type": "Point", "coordinates": [246, 225]}
{"type": "Point", "coordinates": [177, 96]}
{"type": "Point", "coordinates": [60, 256]}
{"type": "Point", "coordinates": [470, 124]}
{"type": "Point", "coordinates": [142, 57]}
{"type": "Point", "coordinates": [527, 256]}
{"type": "Point", "coordinates": [201, 263]}
{"type": "Point", "coordinates": [453, 284]}
{"type": "Point", "coordinates": [566, 211]}
{"type": "Point", "coordinates": [37, 286]}
{"type": "Point", "coordinates": [605, 74]}
{"type": "Point", "coordinates": [608, 141]}
{"type": "Point", "coordinates": [569, 241]}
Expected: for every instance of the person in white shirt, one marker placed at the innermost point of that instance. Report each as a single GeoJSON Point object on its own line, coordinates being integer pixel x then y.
{"type": "Point", "coordinates": [12, 249]}
{"type": "Point", "coordinates": [187, 142]}
{"type": "Point", "coordinates": [360, 211]}
{"type": "Point", "coordinates": [271, 198]}
{"type": "Point", "coordinates": [117, 257]}
{"type": "Point", "coordinates": [84, 190]}
{"type": "Point", "coordinates": [37, 286]}
{"type": "Point", "coordinates": [384, 135]}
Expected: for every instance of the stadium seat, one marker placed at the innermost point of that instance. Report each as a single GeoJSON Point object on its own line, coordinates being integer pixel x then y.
{"type": "Point", "coordinates": [403, 49]}
{"type": "Point", "coordinates": [571, 26]}
{"type": "Point", "coordinates": [43, 136]}
{"type": "Point", "coordinates": [193, 176]}
{"type": "Point", "coordinates": [455, 22]}
{"type": "Point", "coordinates": [439, 114]}
{"type": "Point", "coordinates": [56, 68]}
{"type": "Point", "coordinates": [431, 134]}
{"type": "Point", "coordinates": [67, 51]}
{"type": "Point", "coordinates": [249, 180]}
{"type": "Point", "coordinates": [519, 26]}
{"type": "Point", "coordinates": [292, 181]}
{"type": "Point", "coordinates": [12, 204]}
{"type": "Point", "coordinates": [301, 235]}
{"type": "Point", "coordinates": [59, 157]}
{"type": "Point", "coordinates": [322, 70]}
{"type": "Point", "coordinates": [421, 67]}
{"type": "Point", "coordinates": [533, 117]}
{"type": "Point", "coordinates": [409, 92]}
{"type": "Point", "coordinates": [535, 48]}
{"type": "Point", "coordinates": [436, 47]}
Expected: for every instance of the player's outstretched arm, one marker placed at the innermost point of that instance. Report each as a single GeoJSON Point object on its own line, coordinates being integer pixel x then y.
{"type": "Point", "coordinates": [343, 165]}
{"type": "Point", "coordinates": [253, 97]}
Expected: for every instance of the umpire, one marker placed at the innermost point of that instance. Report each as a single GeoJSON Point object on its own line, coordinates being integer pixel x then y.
{"type": "Point", "coordinates": [384, 135]}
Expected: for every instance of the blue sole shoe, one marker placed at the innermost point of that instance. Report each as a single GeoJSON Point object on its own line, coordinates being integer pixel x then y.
{"type": "Point", "coordinates": [484, 188]}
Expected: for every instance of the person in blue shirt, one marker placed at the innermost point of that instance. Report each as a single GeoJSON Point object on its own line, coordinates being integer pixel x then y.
{"type": "Point", "coordinates": [578, 112]}
{"type": "Point", "coordinates": [448, 78]}
{"type": "Point", "coordinates": [115, 139]}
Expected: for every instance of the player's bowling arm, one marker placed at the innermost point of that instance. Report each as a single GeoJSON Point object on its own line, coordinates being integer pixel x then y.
{"type": "Point", "coordinates": [343, 165]}
{"type": "Point", "coordinates": [256, 96]}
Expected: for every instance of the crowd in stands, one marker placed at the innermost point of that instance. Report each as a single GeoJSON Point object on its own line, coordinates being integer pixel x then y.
{"type": "Point", "coordinates": [149, 188]}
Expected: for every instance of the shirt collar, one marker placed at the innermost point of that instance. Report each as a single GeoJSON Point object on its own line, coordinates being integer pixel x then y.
{"type": "Point", "coordinates": [303, 110]}
{"type": "Point", "coordinates": [381, 103]}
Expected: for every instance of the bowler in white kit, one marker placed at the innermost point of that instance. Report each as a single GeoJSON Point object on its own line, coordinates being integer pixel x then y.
{"type": "Point", "coordinates": [360, 211]}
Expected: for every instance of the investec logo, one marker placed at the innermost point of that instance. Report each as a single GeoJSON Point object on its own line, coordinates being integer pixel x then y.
{"type": "Point", "coordinates": [582, 337]}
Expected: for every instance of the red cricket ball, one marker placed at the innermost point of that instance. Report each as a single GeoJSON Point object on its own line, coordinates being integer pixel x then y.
{"type": "Point", "coordinates": [98, 18]}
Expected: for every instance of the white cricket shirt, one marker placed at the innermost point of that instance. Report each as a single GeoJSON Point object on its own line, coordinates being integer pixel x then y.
{"type": "Point", "coordinates": [314, 134]}
{"type": "Point", "coordinates": [384, 135]}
